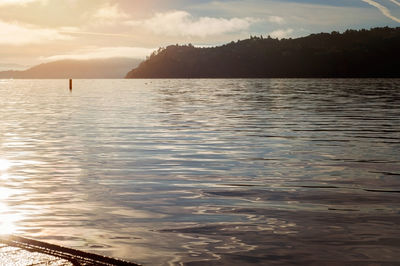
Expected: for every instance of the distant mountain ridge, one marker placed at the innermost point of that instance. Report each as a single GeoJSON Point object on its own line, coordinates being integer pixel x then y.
{"type": "Point", "coordinates": [362, 53]}
{"type": "Point", "coordinates": [89, 69]}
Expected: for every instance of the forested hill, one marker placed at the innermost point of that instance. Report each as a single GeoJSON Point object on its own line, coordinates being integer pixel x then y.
{"type": "Point", "coordinates": [363, 53]}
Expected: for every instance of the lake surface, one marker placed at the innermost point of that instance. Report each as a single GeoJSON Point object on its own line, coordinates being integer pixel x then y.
{"type": "Point", "coordinates": [234, 172]}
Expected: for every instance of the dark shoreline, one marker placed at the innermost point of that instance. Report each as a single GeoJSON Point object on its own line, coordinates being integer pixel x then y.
{"type": "Point", "coordinates": [351, 54]}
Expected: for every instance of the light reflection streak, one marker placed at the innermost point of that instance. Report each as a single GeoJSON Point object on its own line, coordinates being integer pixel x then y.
{"type": "Point", "coordinates": [8, 217]}
{"type": "Point", "coordinates": [4, 165]}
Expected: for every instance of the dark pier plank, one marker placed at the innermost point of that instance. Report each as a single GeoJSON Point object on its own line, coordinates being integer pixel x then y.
{"type": "Point", "coordinates": [17, 250]}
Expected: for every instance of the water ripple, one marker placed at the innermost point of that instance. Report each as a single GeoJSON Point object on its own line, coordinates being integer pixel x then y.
{"type": "Point", "coordinates": [222, 172]}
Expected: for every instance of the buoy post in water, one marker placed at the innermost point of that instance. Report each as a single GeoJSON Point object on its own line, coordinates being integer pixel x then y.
{"type": "Point", "coordinates": [70, 84]}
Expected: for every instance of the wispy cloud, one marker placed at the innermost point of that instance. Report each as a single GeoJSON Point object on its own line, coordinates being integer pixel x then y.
{"type": "Point", "coordinates": [12, 66]}
{"type": "Point", "coordinates": [395, 2]}
{"type": "Point", "coordinates": [384, 10]}
{"type": "Point", "coordinates": [104, 34]}
{"type": "Point", "coordinates": [110, 12]}
{"type": "Point", "coordinates": [276, 19]}
{"type": "Point", "coordinates": [182, 23]}
{"type": "Point", "coordinates": [26, 34]}
{"type": "Point", "coordinates": [104, 52]}
{"type": "Point", "coordinates": [19, 2]}
{"type": "Point", "coordinates": [281, 33]}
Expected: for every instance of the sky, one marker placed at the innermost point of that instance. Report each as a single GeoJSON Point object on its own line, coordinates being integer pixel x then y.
{"type": "Point", "coordinates": [37, 31]}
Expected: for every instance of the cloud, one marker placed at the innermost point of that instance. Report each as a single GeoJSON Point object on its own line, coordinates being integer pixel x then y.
{"type": "Point", "coordinates": [73, 31]}
{"type": "Point", "coordinates": [312, 15]}
{"type": "Point", "coordinates": [276, 19]}
{"type": "Point", "coordinates": [110, 12]}
{"type": "Point", "coordinates": [104, 52]}
{"type": "Point", "coordinates": [384, 10]}
{"type": "Point", "coordinates": [17, 34]}
{"type": "Point", "coordinates": [18, 2]}
{"type": "Point", "coordinates": [182, 23]}
{"type": "Point", "coordinates": [12, 66]}
{"type": "Point", "coordinates": [281, 33]}
{"type": "Point", "coordinates": [395, 2]}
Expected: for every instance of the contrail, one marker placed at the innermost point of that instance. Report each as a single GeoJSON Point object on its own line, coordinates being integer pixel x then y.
{"type": "Point", "coordinates": [395, 2]}
{"type": "Point", "coordinates": [385, 11]}
{"type": "Point", "coordinates": [96, 33]}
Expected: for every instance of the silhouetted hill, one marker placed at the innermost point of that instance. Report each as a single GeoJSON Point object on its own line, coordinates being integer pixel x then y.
{"type": "Point", "coordinates": [363, 53]}
{"type": "Point", "coordinates": [90, 69]}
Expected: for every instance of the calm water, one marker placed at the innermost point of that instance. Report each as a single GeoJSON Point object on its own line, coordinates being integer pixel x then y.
{"type": "Point", "coordinates": [187, 171]}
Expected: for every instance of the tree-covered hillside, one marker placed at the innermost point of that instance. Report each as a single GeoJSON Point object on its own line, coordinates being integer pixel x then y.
{"type": "Point", "coordinates": [363, 53]}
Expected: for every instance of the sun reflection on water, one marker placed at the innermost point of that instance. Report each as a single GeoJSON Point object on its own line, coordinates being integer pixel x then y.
{"type": "Point", "coordinates": [8, 216]}
{"type": "Point", "coordinates": [4, 165]}
{"type": "Point", "coordinates": [8, 220]}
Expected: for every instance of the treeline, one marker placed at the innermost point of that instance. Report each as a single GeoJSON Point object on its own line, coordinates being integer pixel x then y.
{"type": "Point", "coordinates": [362, 53]}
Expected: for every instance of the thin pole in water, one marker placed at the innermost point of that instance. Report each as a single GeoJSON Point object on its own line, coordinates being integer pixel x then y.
{"type": "Point", "coordinates": [70, 84]}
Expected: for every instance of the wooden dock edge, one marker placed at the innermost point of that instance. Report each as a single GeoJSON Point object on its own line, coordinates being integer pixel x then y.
{"type": "Point", "coordinates": [76, 257]}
